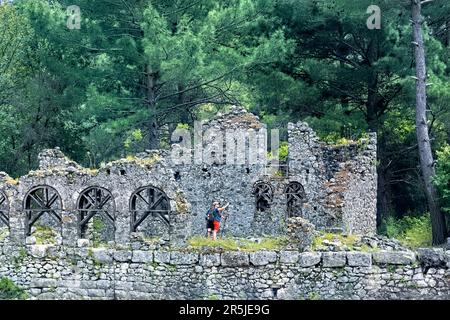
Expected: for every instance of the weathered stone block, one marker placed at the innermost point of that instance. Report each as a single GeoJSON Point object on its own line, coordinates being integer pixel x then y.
{"type": "Point", "coordinates": [47, 296]}
{"type": "Point", "coordinates": [122, 255]}
{"type": "Point", "coordinates": [43, 283]}
{"type": "Point", "coordinates": [102, 255]}
{"type": "Point", "coordinates": [289, 257]}
{"type": "Point", "coordinates": [83, 243]}
{"type": "Point", "coordinates": [394, 257]}
{"type": "Point", "coordinates": [334, 259]}
{"type": "Point", "coordinates": [31, 240]}
{"type": "Point", "coordinates": [262, 258]}
{"type": "Point", "coordinates": [183, 258]}
{"type": "Point", "coordinates": [309, 259]}
{"type": "Point", "coordinates": [432, 257]}
{"type": "Point", "coordinates": [210, 260]}
{"type": "Point", "coordinates": [359, 259]}
{"type": "Point", "coordinates": [38, 250]}
{"type": "Point", "coordinates": [142, 256]}
{"type": "Point", "coordinates": [161, 257]}
{"type": "Point", "coordinates": [234, 259]}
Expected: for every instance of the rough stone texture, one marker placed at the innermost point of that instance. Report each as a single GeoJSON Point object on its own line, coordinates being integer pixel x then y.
{"type": "Point", "coordinates": [152, 262]}
{"type": "Point", "coordinates": [162, 256]}
{"type": "Point", "coordinates": [309, 259]}
{"type": "Point", "coordinates": [300, 231]}
{"type": "Point", "coordinates": [210, 260]}
{"type": "Point", "coordinates": [235, 259]}
{"type": "Point", "coordinates": [69, 273]}
{"type": "Point", "coordinates": [262, 258]}
{"type": "Point", "coordinates": [138, 256]}
{"type": "Point", "coordinates": [432, 257]}
{"type": "Point", "coordinates": [289, 257]}
{"type": "Point", "coordinates": [389, 257]}
{"type": "Point", "coordinates": [334, 259]}
{"type": "Point", "coordinates": [183, 258]}
{"type": "Point", "coordinates": [359, 259]}
{"type": "Point", "coordinates": [338, 181]}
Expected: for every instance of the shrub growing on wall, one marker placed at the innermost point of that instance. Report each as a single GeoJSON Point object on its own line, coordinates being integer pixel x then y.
{"type": "Point", "coordinates": [10, 291]}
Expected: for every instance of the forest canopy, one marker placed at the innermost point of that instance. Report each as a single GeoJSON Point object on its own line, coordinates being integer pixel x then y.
{"type": "Point", "coordinates": [135, 70]}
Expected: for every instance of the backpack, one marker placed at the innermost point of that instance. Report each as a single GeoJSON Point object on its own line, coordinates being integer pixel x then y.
{"type": "Point", "coordinates": [210, 215]}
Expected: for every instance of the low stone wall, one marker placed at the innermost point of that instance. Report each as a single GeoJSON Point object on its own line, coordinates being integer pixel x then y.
{"type": "Point", "coordinates": [52, 272]}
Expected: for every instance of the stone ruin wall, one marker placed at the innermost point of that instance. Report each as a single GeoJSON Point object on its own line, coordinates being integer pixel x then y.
{"type": "Point", "coordinates": [337, 192]}
{"type": "Point", "coordinates": [151, 272]}
{"type": "Point", "coordinates": [335, 188]}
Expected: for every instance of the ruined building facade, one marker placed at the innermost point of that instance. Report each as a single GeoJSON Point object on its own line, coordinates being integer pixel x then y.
{"type": "Point", "coordinates": [333, 187]}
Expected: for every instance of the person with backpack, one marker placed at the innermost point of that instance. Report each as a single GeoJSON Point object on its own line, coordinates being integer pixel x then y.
{"type": "Point", "coordinates": [213, 219]}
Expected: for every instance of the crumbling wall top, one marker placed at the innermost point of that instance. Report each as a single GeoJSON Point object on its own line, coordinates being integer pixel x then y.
{"type": "Point", "coordinates": [55, 159]}
{"type": "Point", "coordinates": [236, 118]}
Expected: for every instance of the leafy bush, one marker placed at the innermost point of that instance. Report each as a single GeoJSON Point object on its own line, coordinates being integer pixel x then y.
{"type": "Point", "coordinates": [442, 179]}
{"type": "Point", "coordinates": [283, 151]}
{"type": "Point", "coordinates": [10, 291]}
{"type": "Point", "coordinates": [410, 231]}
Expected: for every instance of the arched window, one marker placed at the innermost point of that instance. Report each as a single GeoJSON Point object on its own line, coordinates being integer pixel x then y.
{"type": "Point", "coordinates": [4, 210]}
{"type": "Point", "coordinates": [39, 201]}
{"type": "Point", "coordinates": [96, 203]}
{"type": "Point", "coordinates": [263, 193]}
{"type": "Point", "coordinates": [148, 201]}
{"type": "Point", "coordinates": [295, 196]}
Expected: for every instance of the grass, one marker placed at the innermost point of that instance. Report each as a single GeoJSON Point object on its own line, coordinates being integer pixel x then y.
{"type": "Point", "coordinates": [347, 240]}
{"type": "Point", "coordinates": [10, 291]}
{"type": "Point", "coordinates": [412, 232]}
{"type": "Point", "coordinates": [235, 244]}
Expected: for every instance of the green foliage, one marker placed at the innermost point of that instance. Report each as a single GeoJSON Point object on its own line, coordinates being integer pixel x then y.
{"type": "Point", "coordinates": [442, 179]}
{"type": "Point", "coordinates": [410, 231]}
{"type": "Point", "coordinates": [10, 291]}
{"type": "Point", "coordinates": [98, 229]}
{"type": "Point", "coordinates": [44, 235]}
{"type": "Point", "coordinates": [314, 296]}
{"type": "Point", "coordinates": [283, 151]}
{"type": "Point", "coordinates": [135, 137]}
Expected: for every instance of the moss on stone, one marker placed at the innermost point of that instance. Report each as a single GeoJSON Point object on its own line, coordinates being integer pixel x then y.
{"type": "Point", "coordinates": [12, 182]}
{"type": "Point", "coordinates": [181, 203]}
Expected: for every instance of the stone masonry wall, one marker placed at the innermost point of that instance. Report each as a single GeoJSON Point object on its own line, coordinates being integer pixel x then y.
{"type": "Point", "coordinates": [340, 181]}
{"type": "Point", "coordinates": [337, 186]}
{"type": "Point", "coordinates": [150, 272]}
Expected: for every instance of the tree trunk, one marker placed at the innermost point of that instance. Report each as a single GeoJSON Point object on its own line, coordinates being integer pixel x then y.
{"type": "Point", "coordinates": [448, 33]}
{"type": "Point", "coordinates": [153, 135]}
{"type": "Point", "coordinates": [384, 193]}
{"type": "Point", "coordinates": [423, 139]}
{"type": "Point", "coordinates": [372, 88]}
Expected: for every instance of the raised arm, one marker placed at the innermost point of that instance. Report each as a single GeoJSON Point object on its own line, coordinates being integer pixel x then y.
{"type": "Point", "coordinates": [224, 207]}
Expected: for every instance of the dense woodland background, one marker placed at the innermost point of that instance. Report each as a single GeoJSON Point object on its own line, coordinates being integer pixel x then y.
{"type": "Point", "coordinates": [137, 69]}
